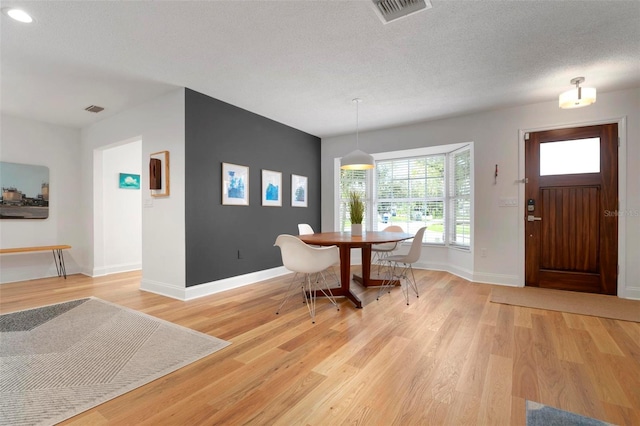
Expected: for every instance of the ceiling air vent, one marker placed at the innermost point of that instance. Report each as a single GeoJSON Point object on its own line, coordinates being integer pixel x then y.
{"type": "Point", "coordinates": [94, 108]}
{"type": "Point", "coordinates": [390, 10]}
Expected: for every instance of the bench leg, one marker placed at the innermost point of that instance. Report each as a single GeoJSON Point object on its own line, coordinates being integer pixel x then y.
{"type": "Point", "coordinates": [59, 263]}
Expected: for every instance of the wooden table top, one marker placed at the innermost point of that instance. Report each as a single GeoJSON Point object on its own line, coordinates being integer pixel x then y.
{"type": "Point", "coordinates": [345, 238]}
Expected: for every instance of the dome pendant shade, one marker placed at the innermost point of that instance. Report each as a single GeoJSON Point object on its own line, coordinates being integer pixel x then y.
{"type": "Point", "coordinates": [578, 97]}
{"type": "Point", "coordinates": [357, 160]}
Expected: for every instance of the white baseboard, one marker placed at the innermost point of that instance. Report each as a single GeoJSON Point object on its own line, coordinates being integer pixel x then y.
{"type": "Point", "coordinates": [163, 289]}
{"type": "Point", "coordinates": [499, 279]}
{"type": "Point", "coordinates": [213, 287]}
{"type": "Point", "coordinates": [114, 269]}
{"type": "Point", "coordinates": [632, 293]}
{"type": "Point", "coordinates": [24, 268]}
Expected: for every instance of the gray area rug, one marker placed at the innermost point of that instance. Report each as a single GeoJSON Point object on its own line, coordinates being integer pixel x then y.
{"type": "Point", "coordinates": [60, 360]}
{"type": "Point", "coordinates": [543, 415]}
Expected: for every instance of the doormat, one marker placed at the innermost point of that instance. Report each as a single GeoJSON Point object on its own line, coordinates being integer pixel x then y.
{"type": "Point", "coordinates": [598, 305]}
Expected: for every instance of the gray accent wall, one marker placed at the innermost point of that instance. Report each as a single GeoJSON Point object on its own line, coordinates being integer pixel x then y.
{"type": "Point", "coordinates": [225, 241]}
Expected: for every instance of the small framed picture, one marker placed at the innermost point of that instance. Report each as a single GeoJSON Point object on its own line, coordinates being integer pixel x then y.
{"type": "Point", "coordinates": [271, 188]}
{"type": "Point", "coordinates": [235, 185]}
{"type": "Point", "coordinates": [298, 191]}
{"type": "Point", "coordinates": [129, 181]}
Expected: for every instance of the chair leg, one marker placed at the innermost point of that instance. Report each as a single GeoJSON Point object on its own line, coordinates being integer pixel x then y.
{"type": "Point", "coordinates": [407, 275]}
{"type": "Point", "coordinates": [310, 299]}
{"type": "Point", "coordinates": [388, 279]}
{"type": "Point", "coordinates": [328, 294]}
{"type": "Point", "coordinates": [410, 280]}
{"type": "Point", "coordinates": [413, 281]}
{"type": "Point", "coordinates": [288, 293]}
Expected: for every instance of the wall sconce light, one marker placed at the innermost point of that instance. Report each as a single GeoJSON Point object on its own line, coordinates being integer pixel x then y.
{"type": "Point", "coordinates": [578, 97]}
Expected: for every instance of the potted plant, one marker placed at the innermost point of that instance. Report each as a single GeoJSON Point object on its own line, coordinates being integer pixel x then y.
{"type": "Point", "coordinates": [356, 212]}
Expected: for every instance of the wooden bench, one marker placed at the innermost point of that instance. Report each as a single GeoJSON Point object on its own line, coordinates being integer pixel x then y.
{"type": "Point", "coordinates": [56, 250]}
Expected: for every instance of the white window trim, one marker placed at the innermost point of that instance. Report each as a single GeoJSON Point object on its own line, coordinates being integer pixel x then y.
{"type": "Point", "coordinates": [416, 152]}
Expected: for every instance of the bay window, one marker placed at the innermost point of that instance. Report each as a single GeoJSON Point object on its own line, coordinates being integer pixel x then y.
{"type": "Point", "coordinates": [429, 187]}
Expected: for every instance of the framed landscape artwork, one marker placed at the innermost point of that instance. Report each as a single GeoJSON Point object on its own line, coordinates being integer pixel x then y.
{"type": "Point", "coordinates": [235, 185]}
{"type": "Point", "coordinates": [298, 191]}
{"type": "Point", "coordinates": [25, 191]}
{"type": "Point", "coordinates": [271, 188]}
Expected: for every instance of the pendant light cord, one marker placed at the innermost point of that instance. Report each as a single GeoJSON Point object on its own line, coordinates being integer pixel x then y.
{"type": "Point", "coordinates": [357, 101]}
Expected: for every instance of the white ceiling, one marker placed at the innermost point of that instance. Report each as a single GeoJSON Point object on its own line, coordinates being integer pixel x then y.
{"type": "Point", "coordinates": [302, 62]}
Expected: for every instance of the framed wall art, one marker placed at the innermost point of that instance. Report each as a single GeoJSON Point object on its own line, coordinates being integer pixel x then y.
{"type": "Point", "coordinates": [159, 174]}
{"type": "Point", "coordinates": [298, 191]}
{"type": "Point", "coordinates": [129, 181]}
{"type": "Point", "coordinates": [271, 188]}
{"type": "Point", "coordinates": [25, 191]}
{"type": "Point", "coordinates": [235, 185]}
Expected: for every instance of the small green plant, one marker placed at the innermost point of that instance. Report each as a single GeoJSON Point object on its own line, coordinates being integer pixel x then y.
{"type": "Point", "coordinates": [356, 207]}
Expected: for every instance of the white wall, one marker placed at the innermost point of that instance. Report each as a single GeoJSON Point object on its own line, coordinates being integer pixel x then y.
{"type": "Point", "coordinates": [160, 125]}
{"type": "Point", "coordinates": [58, 148]}
{"type": "Point", "coordinates": [122, 209]}
{"type": "Point", "coordinates": [495, 136]}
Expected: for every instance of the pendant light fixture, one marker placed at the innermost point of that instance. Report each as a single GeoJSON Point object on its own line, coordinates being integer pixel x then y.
{"type": "Point", "coordinates": [578, 97]}
{"type": "Point", "coordinates": [357, 160]}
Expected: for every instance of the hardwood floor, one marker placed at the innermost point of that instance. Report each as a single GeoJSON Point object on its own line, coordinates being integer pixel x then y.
{"type": "Point", "coordinates": [451, 357]}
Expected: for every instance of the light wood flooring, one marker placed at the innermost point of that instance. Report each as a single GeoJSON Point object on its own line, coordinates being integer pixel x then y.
{"type": "Point", "coordinates": [449, 358]}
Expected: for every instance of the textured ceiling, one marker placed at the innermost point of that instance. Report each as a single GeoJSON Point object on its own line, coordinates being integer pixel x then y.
{"type": "Point", "coordinates": [302, 62]}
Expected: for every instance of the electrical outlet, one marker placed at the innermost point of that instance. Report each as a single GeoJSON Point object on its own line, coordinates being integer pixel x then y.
{"type": "Point", "coordinates": [483, 252]}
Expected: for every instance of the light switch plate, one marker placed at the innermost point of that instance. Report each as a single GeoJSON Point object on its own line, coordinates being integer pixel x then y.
{"type": "Point", "coordinates": [508, 202]}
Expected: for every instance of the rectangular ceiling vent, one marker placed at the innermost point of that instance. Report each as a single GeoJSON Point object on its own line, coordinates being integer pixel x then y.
{"type": "Point", "coordinates": [390, 10]}
{"type": "Point", "coordinates": [94, 108]}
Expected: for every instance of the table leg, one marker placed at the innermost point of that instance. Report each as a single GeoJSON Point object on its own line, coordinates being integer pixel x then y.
{"type": "Point", "coordinates": [365, 280]}
{"type": "Point", "coordinates": [62, 271]}
{"type": "Point", "coordinates": [345, 277]}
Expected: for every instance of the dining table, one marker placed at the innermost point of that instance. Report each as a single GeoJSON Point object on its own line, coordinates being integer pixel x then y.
{"type": "Point", "coordinates": [345, 241]}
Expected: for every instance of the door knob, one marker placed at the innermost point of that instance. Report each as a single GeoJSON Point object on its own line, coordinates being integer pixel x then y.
{"type": "Point", "coordinates": [531, 218]}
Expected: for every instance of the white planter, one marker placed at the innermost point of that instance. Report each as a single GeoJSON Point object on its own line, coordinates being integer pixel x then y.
{"type": "Point", "coordinates": [356, 229]}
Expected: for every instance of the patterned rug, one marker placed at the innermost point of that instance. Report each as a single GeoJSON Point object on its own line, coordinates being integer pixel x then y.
{"type": "Point", "coordinates": [543, 415]}
{"type": "Point", "coordinates": [60, 360]}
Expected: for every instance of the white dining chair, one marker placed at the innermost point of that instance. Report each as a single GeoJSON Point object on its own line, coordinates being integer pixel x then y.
{"type": "Point", "coordinates": [400, 268]}
{"type": "Point", "coordinates": [306, 229]}
{"type": "Point", "coordinates": [312, 262]}
{"type": "Point", "coordinates": [380, 251]}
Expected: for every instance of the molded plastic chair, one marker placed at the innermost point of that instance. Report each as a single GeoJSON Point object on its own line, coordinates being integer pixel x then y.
{"type": "Point", "coordinates": [303, 258]}
{"type": "Point", "coordinates": [400, 267]}
{"type": "Point", "coordinates": [380, 251]}
{"type": "Point", "coordinates": [306, 229]}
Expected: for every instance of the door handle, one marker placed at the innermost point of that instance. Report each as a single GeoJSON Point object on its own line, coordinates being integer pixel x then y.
{"type": "Point", "coordinates": [532, 218]}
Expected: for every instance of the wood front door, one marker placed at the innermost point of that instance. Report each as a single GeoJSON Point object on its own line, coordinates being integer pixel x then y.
{"type": "Point", "coordinates": [571, 231]}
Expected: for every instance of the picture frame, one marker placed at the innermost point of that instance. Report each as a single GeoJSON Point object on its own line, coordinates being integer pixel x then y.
{"type": "Point", "coordinates": [25, 191]}
{"type": "Point", "coordinates": [299, 193]}
{"type": "Point", "coordinates": [159, 174]}
{"type": "Point", "coordinates": [271, 188]}
{"type": "Point", "coordinates": [235, 185]}
{"type": "Point", "coordinates": [129, 181]}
